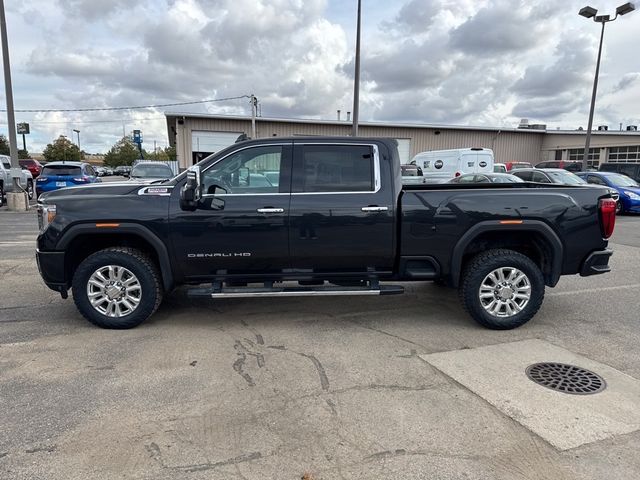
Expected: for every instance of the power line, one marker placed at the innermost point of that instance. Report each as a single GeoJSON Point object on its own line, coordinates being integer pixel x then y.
{"type": "Point", "coordinates": [138, 107]}
{"type": "Point", "coordinates": [85, 122]}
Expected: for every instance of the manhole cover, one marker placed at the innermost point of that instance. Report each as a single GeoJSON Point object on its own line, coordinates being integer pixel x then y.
{"type": "Point", "coordinates": [565, 378]}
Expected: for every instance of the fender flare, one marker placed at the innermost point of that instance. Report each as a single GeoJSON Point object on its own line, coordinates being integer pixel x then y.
{"type": "Point", "coordinates": [491, 226]}
{"type": "Point", "coordinates": [129, 228]}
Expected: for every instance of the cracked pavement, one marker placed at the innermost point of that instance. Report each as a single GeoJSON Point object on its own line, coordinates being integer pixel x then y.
{"type": "Point", "coordinates": [276, 388]}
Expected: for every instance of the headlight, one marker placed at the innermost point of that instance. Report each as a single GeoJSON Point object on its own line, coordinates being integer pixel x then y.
{"type": "Point", "coordinates": [631, 195]}
{"type": "Point", "coordinates": [46, 214]}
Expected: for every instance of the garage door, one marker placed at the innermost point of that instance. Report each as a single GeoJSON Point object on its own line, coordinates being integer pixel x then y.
{"type": "Point", "coordinates": [404, 149]}
{"type": "Point", "coordinates": [212, 142]}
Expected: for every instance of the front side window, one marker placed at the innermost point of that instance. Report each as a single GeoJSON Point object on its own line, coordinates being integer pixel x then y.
{"type": "Point", "coordinates": [246, 171]}
{"type": "Point", "coordinates": [337, 168]}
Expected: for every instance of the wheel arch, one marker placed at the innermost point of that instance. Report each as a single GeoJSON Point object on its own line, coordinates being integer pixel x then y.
{"type": "Point", "coordinates": [80, 241]}
{"type": "Point", "coordinates": [534, 239]}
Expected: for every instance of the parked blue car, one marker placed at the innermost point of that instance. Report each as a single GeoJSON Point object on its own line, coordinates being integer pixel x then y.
{"type": "Point", "coordinates": [627, 187]}
{"type": "Point", "coordinates": [56, 175]}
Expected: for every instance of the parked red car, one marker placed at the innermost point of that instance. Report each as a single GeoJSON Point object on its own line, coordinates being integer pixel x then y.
{"type": "Point", "coordinates": [34, 166]}
{"type": "Point", "coordinates": [517, 165]}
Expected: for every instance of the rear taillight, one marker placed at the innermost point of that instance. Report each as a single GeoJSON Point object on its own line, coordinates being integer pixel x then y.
{"type": "Point", "coordinates": [42, 179]}
{"type": "Point", "coordinates": [607, 216]}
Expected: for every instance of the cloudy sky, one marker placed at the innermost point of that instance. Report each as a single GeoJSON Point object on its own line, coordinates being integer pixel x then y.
{"type": "Point", "coordinates": [462, 62]}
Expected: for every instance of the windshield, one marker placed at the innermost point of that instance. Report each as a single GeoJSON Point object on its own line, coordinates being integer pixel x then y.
{"type": "Point", "coordinates": [567, 178]}
{"type": "Point", "coordinates": [151, 171]}
{"type": "Point", "coordinates": [622, 181]}
{"type": "Point", "coordinates": [61, 170]}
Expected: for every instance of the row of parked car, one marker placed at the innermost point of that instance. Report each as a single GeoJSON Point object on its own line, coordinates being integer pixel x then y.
{"type": "Point", "coordinates": [476, 165]}
{"type": "Point", "coordinates": [624, 190]}
{"type": "Point", "coordinates": [56, 175]}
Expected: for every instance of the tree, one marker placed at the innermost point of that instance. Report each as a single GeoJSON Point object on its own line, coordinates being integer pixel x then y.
{"type": "Point", "coordinates": [162, 154]}
{"type": "Point", "coordinates": [23, 154]}
{"type": "Point", "coordinates": [124, 152]}
{"type": "Point", "coordinates": [4, 145]}
{"type": "Point", "coordinates": [62, 149]}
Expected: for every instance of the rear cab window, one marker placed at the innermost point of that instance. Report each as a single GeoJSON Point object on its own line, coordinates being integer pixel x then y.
{"type": "Point", "coordinates": [335, 168]}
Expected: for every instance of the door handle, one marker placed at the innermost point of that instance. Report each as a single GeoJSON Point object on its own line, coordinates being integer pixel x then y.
{"type": "Point", "coordinates": [271, 210]}
{"type": "Point", "coordinates": [375, 209]}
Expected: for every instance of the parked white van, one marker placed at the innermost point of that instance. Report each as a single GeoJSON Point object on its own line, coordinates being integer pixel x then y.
{"type": "Point", "coordinates": [442, 165]}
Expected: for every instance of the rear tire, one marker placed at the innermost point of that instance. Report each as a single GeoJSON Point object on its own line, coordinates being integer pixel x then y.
{"type": "Point", "coordinates": [502, 289]}
{"type": "Point", "coordinates": [117, 288]}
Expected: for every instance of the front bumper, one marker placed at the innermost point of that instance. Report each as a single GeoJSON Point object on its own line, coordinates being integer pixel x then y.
{"type": "Point", "coordinates": [596, 263]}
{"type": "Point", "coordinates": [52, 271]}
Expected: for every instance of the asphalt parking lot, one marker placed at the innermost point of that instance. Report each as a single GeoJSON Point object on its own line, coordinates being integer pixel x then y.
{"type": "Point", "coordinates": [280, 388]}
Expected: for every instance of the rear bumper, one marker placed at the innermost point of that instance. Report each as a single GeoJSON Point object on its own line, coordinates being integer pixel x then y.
{"type": "Point", "coordinates": [596, 263]}
{"type": "Point", "coordinates": [52, 271]}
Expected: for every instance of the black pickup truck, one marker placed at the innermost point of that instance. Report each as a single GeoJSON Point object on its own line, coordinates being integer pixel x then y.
{"type": "Point", "coordinates": [316, 216]}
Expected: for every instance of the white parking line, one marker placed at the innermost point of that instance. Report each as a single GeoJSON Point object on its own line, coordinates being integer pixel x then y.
{"type": "Point", "coordinates": [595, 290]}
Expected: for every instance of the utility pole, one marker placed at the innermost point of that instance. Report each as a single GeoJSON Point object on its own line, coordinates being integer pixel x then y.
{"type": "Point", "coordinates": [11, 117]}
{"type": "Point", "coordinates": [356, 81]}
{"type": "Point", "coordinates": [254, 104]}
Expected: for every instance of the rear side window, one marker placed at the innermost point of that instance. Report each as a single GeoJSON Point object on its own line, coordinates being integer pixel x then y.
{"type": "Point", "coordinates": [337, 168]}
{"type": "Point", "coordinates": [595, 180]}
{"type": "Point", "coordinates": [526, 176]}
{"type": "Point", "coordinates": [61, 170]}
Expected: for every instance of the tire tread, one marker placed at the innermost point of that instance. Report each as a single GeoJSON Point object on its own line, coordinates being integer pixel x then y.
{"type": "Point", "coordinates": [137, 317]}
{"type": "Point", "coordinates": [468, 291]}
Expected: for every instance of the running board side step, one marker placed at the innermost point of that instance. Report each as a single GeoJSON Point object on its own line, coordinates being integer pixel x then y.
{"type": "Point", "coordinates": [294, 291]}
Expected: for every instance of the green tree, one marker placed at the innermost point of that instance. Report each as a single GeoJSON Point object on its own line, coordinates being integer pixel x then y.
{"type": "Point", "coordinates": [62, 149]}
{"type": "Point", "coordinates": [4, 145]}
{"type": "Point", "coordinates": [124, 152]}
{"type": "Point", "coordinates": [23, 154]}
{"type": "Point", "coordinates": [162, 154]}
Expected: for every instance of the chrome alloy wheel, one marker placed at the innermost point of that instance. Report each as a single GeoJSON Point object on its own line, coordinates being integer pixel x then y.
{"type": "Point", "coordinates": [114, 291]}
{"type": "Point", "coordinates": [505, 292]}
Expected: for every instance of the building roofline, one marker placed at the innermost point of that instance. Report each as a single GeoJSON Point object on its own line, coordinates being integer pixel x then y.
{"type": "Point", "coordinates": [593, 132]}
{"type": "Point", "coordinates": [169, 115]}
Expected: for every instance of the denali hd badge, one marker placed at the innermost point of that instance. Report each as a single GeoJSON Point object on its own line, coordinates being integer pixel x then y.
{"type": "Point", "coordinates": [214, 255]}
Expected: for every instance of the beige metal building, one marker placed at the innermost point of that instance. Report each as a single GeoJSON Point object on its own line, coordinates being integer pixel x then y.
{"type": "Point", "coordinates": [198, 135]}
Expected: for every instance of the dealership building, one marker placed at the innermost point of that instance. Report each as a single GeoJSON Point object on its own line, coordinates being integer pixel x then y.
{"type": "Point", "coordinates": [196, 136]}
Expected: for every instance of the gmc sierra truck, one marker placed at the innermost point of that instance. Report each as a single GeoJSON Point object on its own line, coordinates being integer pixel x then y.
{"type": "Point", "coordinates": [316, 216]}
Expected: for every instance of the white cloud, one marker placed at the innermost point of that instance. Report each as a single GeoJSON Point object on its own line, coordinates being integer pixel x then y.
{"type": "Point", "coordinates": [463, 61]}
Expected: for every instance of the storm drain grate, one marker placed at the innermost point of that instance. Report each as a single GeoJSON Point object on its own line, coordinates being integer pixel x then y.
{"type": "Point", "coordinates": [565, 378]}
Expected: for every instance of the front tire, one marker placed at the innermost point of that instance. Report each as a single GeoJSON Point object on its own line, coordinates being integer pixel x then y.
{"type": "Point", "coordinates": [502, 289]}
{"type": "Point", "coordinates": [117, 288]}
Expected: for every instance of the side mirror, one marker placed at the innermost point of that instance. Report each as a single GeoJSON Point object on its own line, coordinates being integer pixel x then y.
{"type": "Point", "coordinates": [191, 192]}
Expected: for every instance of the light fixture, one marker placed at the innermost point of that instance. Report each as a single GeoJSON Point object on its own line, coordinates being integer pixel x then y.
{"type": "Point", "coordinates": [626, 8]}
{"type": "Point", "coordinates": [588, 12]}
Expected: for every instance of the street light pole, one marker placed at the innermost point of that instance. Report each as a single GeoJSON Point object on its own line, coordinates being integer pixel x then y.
{"type": "Point", "coordinates": [587, 142]}
{"type": "Point", "coordinates": [590, 12]}
{"type": "Point", "coordinates": [11, 117]}
{"type": "Point", "coordinates": [356, 80]}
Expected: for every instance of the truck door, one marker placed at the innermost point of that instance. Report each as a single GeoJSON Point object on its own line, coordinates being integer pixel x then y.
{"type": "Point", "coordinates": [342, 209]}
{"type": "Point", "coordinates": [245, 230]}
